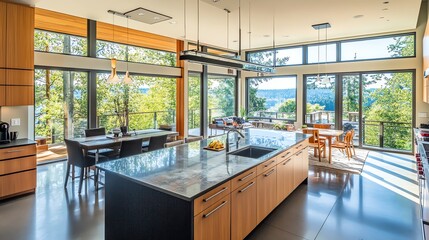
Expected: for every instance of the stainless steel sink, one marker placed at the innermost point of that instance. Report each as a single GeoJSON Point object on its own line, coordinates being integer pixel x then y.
{"type": "Point", "coordinates": [252, 152]}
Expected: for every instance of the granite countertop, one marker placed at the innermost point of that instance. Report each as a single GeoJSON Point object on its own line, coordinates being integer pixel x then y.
{"type": "Point", "coordinates": [17, 143]}
{"type": "Point", "coordinates": [187, 171]}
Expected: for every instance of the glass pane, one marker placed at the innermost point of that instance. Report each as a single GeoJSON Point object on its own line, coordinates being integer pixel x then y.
{"type": "Point", "coordinates": [351, 104]}
{"type": "Point", "coordinates": [263, 57]}
{"type": "Point", "coordinates": [45, 41]}
{"type": "Point", "coordinates": [273, 97]}
{"type": "Point", "coordinates": [388, 47]}
{"type": "Point", "coordinates": [111, 50]}
{"type": "Point", "coordinates": [317, 53]}
{"type": "Point", "coordinates": [221, 96]}
{"type": "Point", "coordinates": [60, 109]}
{"type": "Point", "coordinates": [144, 55]}
{"type": "Point", "coordinates": [194, 111]}
{"type": "Point", "coordinates": [387, 110]}
{"type": "Point", "coordinates": [289, 56]}
{"type": "Point", "coordinates": [320, 99]}
{"type": "Point", "coordinates": [149, 101]}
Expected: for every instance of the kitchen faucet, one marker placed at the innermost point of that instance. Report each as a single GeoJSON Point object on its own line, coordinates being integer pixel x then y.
{"type": "Point", "coordinates": [227, 138]}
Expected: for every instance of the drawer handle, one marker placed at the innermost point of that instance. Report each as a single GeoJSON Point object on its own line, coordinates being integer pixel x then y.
{"type": "Point", "coordinates": [244, 178]}
{"type": "Point", "coordinates": [248, 186]}
{"type": "Point", "coordinates": [214, 210]}
{"type": "Point", "coordinates": [298, 153]}
{"type": "Point", "coordinates": [287, 161]}
{"type": "Point", "coordinates": [13, 151]}
{"type": "Point", "coordinates": [269, 173]}
{"type": "Point", "coordinates": [214, 195]}
{"type": "Point", "coordinates": [298, 146]}
{"type": "Point", "coordinates": [285, 154]}
{"type": "Point", "coordinates": [266, 165]}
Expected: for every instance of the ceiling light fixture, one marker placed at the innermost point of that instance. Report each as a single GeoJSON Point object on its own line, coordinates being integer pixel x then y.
{"type": "Point", "coordinates": [127, 78]}
{"type": "Point", "coordinates": [211, 59]}
{"type": "Point", "coordinates": [142, 15]}
{"type": "Point", "coordinates": [113, 78]}
{"type": "Point", "coordinates": [318, 27]}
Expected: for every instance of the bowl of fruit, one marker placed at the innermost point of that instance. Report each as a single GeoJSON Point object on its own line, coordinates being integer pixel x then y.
{"type": "Point", "coordinates": [215, 145]}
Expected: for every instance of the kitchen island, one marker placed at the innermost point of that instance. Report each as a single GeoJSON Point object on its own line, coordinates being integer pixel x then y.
{"type": "Point", "coordinates": [187, 192]}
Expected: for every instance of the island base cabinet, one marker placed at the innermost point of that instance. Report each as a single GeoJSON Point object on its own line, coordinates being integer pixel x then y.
{"type": "Point", "coordinates": [266, 193]}
{"type": "Point", "coordinates": [285, 175]}
{"type": "Point", "coordinates": [243, 210]}
{"type": "Point", "coordinates": [214, 222]}
{"type": "Point", "coordinates": [305, 163]}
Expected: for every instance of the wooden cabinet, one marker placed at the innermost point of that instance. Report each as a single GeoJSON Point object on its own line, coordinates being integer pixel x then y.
{"type": "Point", "coordinates": [214, 222]}
{"type": "Point", "coordinates": [266, 193]}
{"type": "Point", "coordinates": [19, 95]}
{"type": "Point", "coordinates": [243, 178]}
{"type": "Point", "coordinates": [243, 210]}
{"type": "Point", "coordinates": [285, 178]}
{"type": "Point", "coordinates": [3, 6]}
{"type": "Point", "coordinates": [208, 199]}
{"type": "Point", "coordinates": [17, 170]}
{"type": "Point", "coordinates": [19, 77]}
{"type": "Point", "coordinates": [19, 37]}
{"type": "Point", "coordinates": [266, 165]}
{"type": "Point", "coordinates": [305, 163]}
{"type": "Point", "coordinates": [2, 95]}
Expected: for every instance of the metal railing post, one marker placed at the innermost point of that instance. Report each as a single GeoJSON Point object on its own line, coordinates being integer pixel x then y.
{"type": "Point", "coordinates": [381, 134]}
{"type": "Point", "coordinates": [155, 120]}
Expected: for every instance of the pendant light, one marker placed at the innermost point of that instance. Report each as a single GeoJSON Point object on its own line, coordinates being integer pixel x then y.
{"type": "Point", "coordinates": [113, 78]}
{"type": "Point", "coordinates": [318, 27]}
{"type": "Point", "coordinates": [127, 78]}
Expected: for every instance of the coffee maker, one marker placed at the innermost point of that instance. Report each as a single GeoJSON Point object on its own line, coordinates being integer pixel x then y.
{"type": "Point", "coordinates": [4, 132]}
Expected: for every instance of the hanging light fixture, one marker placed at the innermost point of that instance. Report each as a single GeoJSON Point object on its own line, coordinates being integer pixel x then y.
{"type": "Point", "coordinates": [113, 78]}
{"type": "Point", "coordinates": [127, 78]}
{"type": "Point", "coordinates": [318, 27]}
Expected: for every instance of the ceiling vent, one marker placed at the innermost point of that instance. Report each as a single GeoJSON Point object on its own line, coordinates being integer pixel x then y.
{"type": "Point", "coordinates": [143, 15]}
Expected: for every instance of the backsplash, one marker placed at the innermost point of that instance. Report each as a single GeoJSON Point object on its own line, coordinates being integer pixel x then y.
{"type": "Point", "coordinates": [25, 114]}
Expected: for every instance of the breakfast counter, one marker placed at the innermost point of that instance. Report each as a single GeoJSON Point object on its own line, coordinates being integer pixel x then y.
{"type": "Point", "coordinates": [157, 194]}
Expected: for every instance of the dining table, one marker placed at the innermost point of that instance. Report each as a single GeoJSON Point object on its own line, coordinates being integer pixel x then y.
{"type": "Point", "coordinates": [329, 134]}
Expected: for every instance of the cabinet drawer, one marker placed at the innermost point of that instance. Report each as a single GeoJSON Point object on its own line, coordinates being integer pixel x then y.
{"type": "Point", "coordinates": [17, 183]}
{"type": "Point", "coordinates": [17, 165]}
{"type": "Point", "coordinates": [243, 178]}
{"type": "Point", "coordinates": [214, 222]}
{"type": "Point", "coordinates": [15, 152]}
{"type": "Point", "coordinates": [209, 198]}
{"type": "Point", "coordinates": [266, 165]}
{"type": "Point", "coordinates": [301, 145]}
{"type": "Point", "coordinates": [285, 154]}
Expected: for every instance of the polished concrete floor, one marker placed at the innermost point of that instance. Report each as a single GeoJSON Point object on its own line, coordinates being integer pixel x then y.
{"type": "Point", "coordinates": [381, 203]}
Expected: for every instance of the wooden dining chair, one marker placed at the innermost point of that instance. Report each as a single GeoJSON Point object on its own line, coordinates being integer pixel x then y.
{"type": "Point", "coordinates": [322, 126]}
{"type": "Point", "coordinates": [351, 141]}
{"type": "Point", "coordinates": [316, 143]}
{"type": "Point", "coordinates": [345, 145]}
{"type": "Point", "coordinates": [174, 143]}
{"type": "Point", "coordinates": [193, 139]}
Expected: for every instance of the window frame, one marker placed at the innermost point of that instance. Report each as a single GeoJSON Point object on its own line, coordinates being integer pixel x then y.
{"type": "Point", "coordinates": [68, 54]}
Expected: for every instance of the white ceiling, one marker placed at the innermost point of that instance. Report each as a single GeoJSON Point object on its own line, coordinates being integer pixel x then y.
{"type": "Point", "coordinates": [293, 18]}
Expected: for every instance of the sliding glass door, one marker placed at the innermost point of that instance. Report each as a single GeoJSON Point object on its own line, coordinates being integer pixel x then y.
{"type": "Point", "coordinates": [194, 104]}
{"type": "Point", "coordinates": [351, 104]}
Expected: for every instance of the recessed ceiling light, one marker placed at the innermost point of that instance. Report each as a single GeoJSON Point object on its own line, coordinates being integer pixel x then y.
{"type": "Point", "coordinates": [386, 2]}
{"type": "Point", "coordinates": [140, 14]}
{"type": "Point", "coordinates": [388, 20]}
{"type": "Point", "coordinates": [234, 40]}
{"type": "Point", "coordinates": [266, 35]}
{"type": "Point", "coordinates": [381, 17]}
{"type": "Point", "coordinates": [385, 9]}
{"type": "Point", "coordinates": [285, 36]}
{"type": "Point", "coordinates": [156, 18]}
{"type": "Point", "coordinates": [172, 22]}
{"type": "Point", "coordinates": [358, 16]}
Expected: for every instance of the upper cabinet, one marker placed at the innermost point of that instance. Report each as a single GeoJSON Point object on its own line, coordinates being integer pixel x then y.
{"type": "Point", "coordinates": [3, 34]}
{"type": "Point", "coordinates": [19, 36]}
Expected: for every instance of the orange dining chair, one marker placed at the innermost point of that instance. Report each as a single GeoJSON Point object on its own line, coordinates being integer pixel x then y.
{"type": "Point", "coordinates": [322, 126]}
{"type": "Point", "coordinates": [345, 145]}
{"type": "Point", "coordinates": [316, 143]}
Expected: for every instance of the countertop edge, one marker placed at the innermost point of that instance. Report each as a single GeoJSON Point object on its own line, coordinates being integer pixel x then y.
{"type": "Point", "coordinates": [18, 143]}
{"type": "Point", "coordinates": [206, 190]}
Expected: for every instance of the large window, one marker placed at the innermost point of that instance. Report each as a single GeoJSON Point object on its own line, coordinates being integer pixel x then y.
{"type": "Point", "coordinates": [289, 56]}
{"type": "Point", "coordinates": [135, 54]}
{"type": "Point", "coordinates": [261, 57]}
{"type": "Point", "coordinates": [194, 109]}
{"type": "Point", "coordinates": [45, 41]}
{"type": "Point", "coordinates": [149, 101]}
{"type": "Point", "coordinates": [272, 97]}
{"type": "Point", "coordinates": [221, 96]}
{"type": "Point", "coordinates": [320, 99]}
{"type": "Point", "coordinates": [378, 48]}
{"type": "Point", "coordinates": [319, 53]}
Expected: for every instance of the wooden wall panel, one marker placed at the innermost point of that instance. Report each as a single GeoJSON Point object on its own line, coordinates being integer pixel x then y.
{"type": "Point", "coordinates": [2, 34]}
{"type": "Point", "coordinates": [60, 22]}
{"type": "Point", "coordinates": [135, 37]}
{"type": "Point", "coordinates": [180, 92]}
{"type": "Point", "coordinates": [2, 95]}
{"type": "Point", "coordinates": [19, 77]}
{"type": "Point", "coordinates": [19, 95]}
{"type": "Point", "coordinates": [2, 76]}
{"type": "Point", "coordinates": [20, 37]}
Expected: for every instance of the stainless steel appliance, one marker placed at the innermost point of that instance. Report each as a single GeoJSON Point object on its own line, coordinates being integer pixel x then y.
{"type": "Point", "coordinates": [4, 132]}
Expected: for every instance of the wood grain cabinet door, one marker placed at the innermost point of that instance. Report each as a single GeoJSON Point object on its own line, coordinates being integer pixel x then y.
{"type": "Point", "coordinates": [297, 178]}
{"type": "Point", "coordinates": [2, 34]}
{"type": "Point", "coordinates": [285, 174]}
{"type": "Point", "coordinates": [19, 36]}
{"type": "Point", "coordinates": [304, 163]}
{"type": "Point", "coordinates": [266, 193]}
{"type": "Point", "coordinates": [19, 95]}
{"type": "Point", "coordinates": [243, 210]}
{"type": "Point", "coordinates": [19, 77]}
{"type": "Point", "coordinates": [214, 222]}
